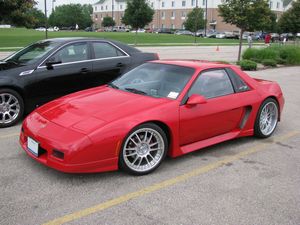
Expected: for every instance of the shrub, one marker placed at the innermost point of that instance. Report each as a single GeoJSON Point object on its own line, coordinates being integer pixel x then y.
{"type": "Point", "coordinates": [251, 53]}
{"type": "Point", "coordinates": [247, 65]}
{"type": "Point", "coordinates": [269, 62]}
{"type": "Point", "coordinates": [281, 54]}
{"type": "Point", "coordinates": [291, 54]}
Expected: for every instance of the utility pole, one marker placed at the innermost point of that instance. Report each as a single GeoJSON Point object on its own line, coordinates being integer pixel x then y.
{"type": "Point", "coordinates": [196, 22]}
{"type": "Point", "coordinates": [205, 24]}
{"type": "Point", "coordinates": [46, 24]}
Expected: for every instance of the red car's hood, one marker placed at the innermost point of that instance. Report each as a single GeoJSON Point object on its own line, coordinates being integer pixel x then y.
{"type": "Point", "coordinates": [87, 110]}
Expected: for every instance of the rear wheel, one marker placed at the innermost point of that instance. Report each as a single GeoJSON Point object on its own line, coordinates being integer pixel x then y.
{"type": "Point", "coordinates": [11, 107]}
{"type": "Point", "coordinates": [266, 119]}
{"type": "Point", "coordinates": [143, 149]}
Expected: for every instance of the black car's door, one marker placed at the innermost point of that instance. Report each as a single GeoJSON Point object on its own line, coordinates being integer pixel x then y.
{"type": "Point", "coordinates": [68, 75]}
{"type": "Point", "coordinates": [109, 62]}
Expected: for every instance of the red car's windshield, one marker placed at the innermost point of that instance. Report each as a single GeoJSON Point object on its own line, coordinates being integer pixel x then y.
{"type": "Point", "coordinates": [155, 79]}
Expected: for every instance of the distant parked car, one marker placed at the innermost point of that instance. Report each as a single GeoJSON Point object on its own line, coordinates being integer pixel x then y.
{"type": "Point", "coordinates": [199, 33]}
{"type": "Point", "coordinates": [212, 34]}
{"type": "Point", "coordinates": [139, 31]}
{"type": "Point", "coordinates": [40, 29]}
{"type": "Point", "coordinates": [221, 35]}
{"type": "Point", "coordinates": [183, 32]}
{"type": "Point", "coordinates": [274, 37]}
{"type": "Point", "coordinates": [120, 29]}
{"type": "Point", "coordinates": [89, 29]}
{"type": "Point", "coordinates": [164, 31]}
{"type": "Point", "coordinates": [51, 68]}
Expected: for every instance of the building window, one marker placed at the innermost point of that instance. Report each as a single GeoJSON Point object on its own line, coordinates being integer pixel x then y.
{"type": "Point", "coordinates": [182, 26]}
{"type": "Point", "coordinates": [163, 15]}
{"type": "Point", "coordinates": [95, 8]}
{"type": "Point", "coordinates": [173, 15]}
{"type": "Point", "coordinates": [101, 15]}
{"type": "Point", "coordinates": [183, 15]}
{"type": "Point", "coordinates": [106, 7]}
{"type": "Point", "coordinates": [96, 16]}
{"type": "Point", "coordinates": [183, 3]}
{"type": "Point", "coordinates": [278, 5]}
{"type": "Point", "coordinates": [152, 4]}
{"type": "Point", "coordinates": [193, 2]}
{"type": "Point", "coordinates": [121, 6]}
{"type": "Point", "coordinates": [173, 3]}
{"type": "Point", "coordinates": [271, 4]}
{"type": "Point", "coordinates": [203, 2]}
{"type": "Point", "coordinates": [101, 7]}
{"type": "Point", "coordinates": [162, 4]}
{"type": "Point", "coordinates": [172, 26]}
{"type": "Point", "coordinates": [162, 26]}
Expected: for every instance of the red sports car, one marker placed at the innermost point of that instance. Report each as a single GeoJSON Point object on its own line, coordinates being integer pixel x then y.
{"type": "Point", "coordinates": [159, 108]}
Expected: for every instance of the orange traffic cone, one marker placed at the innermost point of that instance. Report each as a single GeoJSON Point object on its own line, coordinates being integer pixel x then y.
{"type": "Point", "coordinates": [217, 49]}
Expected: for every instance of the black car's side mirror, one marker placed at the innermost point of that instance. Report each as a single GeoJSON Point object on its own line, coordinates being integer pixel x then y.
{"type": "Point", "coordinates": [50, 64]}
{"type": "Point", "coordinates": [196, 99]}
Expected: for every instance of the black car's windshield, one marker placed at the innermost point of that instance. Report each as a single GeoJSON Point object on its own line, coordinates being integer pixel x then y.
{"type": "Point", "coordinates": [32, 53]}
{"type": "Point", "coordinates": [155, 79]}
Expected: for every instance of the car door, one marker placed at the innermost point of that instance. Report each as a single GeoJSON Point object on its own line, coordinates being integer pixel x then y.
{"type": "Point", "coordinates": [109, 62]}
{"type": "Point", "coordinates": [71, 65]}
{"type": "Point", "coordinates": [221, 113]}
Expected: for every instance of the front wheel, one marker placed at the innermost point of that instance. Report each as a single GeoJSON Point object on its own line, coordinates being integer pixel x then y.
{"type": "Point", "coordinates": [11, 107]}
{"type": "Point", "coordinates": [266, 119]}
{"type": "Point", "coordinates": [143, 149]}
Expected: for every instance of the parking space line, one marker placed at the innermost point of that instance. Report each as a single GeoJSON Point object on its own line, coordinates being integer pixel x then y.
{"type": "Point", "coordinates": [155, 187]}
{"type": "Point", "coordinates": [9, 135]}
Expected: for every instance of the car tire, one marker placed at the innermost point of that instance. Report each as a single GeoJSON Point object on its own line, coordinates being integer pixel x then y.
{"type": "Point", "coordinates": [143, 149]}
{"type": "Point", "coordinates": [266, 119]}
{"type": "Point", "coordinates": [11, 107]}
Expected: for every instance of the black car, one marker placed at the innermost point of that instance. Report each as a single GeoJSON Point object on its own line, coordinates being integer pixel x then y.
{"type": "Point", "coordinates": [52, 68]}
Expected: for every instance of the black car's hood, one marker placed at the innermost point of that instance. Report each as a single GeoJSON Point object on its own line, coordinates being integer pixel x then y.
{"type": "Point", "coordinates": [9, 65]}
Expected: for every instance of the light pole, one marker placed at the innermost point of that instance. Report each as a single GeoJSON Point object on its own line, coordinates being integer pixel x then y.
{"type": "Point", "coordinates": [46, 21]}
{"type": "Point", "coordinates": [205, 24]}
{"type": "Point", "coordinates": [196, 22]}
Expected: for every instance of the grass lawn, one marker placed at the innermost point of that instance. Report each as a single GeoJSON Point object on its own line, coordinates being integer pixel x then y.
{"type": "Point", "coordinates": [20, 37]}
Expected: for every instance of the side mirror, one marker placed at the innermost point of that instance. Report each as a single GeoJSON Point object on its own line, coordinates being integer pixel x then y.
{"type": "Point", "coordinates": [195, 99]}
{"type": "Point", "coordinates": [50, 63]}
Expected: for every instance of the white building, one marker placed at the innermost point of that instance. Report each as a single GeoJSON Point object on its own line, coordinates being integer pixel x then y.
{"type": "Point", "coordinates": [172, 13]}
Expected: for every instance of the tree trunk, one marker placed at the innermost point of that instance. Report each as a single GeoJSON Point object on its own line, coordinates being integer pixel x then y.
{"type": "Point", "coordinates": [241, 43]}
{"type": "Point", "coordinates": [135, 39]}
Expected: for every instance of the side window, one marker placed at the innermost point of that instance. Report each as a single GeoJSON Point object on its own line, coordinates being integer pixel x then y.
{"type": "Point", "coordinates": [71, 53]}
{"type": "Point", "coordinates": [212, 83]}
{"type": "Point", "coordinates": [238, 83]}
{"type": "Point", "coordinates": [105, 50]}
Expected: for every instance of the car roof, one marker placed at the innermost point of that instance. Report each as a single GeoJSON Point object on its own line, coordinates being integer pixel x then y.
{"type": "Point", "coordinates": [65, 40]}
{"type": "Point", "coordinates": [196, 64]}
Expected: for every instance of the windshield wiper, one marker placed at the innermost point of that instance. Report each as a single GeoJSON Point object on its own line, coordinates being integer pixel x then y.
{"type": "Point", "coordinates": [12, 61]}
{"type": "Point", "coordinates": [136, 91]}
{"type": "Point", "coordinates": [113, 86]}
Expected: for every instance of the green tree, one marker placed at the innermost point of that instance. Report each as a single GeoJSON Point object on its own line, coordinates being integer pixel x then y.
{"type": "Point", "coordinates": [138, 14]}
{"type": "Point", "coordinates": [14, 11]}
{"type": "Point", "coordinates": [248, 15]}
{"type": "Point", "coordinates": [37, 18]}
{"type": "Point", "coordinates": [290, 20]}
{"type": "Point", "coordinates": [195, 20]}
{"type": "Point", "coordinates": [70, 15]}
{"type": "Point", "coordinates": [108, 22]}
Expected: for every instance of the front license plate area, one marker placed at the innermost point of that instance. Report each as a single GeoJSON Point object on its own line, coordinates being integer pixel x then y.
{"type": "Point", "coordinates": [33, 146]}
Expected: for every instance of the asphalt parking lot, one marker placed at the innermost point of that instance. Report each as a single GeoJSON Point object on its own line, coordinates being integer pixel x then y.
{"type": "Point", "coordinates": [244, 181]}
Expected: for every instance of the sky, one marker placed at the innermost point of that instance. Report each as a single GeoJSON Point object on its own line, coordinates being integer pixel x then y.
{"type": "Point", "coordinates": [41, 4]}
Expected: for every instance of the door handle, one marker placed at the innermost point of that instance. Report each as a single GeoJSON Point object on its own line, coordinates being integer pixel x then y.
{"type": "Point", "coordinates": [84, 70]}
{"type": "Point", "coordinates": [119, 65]}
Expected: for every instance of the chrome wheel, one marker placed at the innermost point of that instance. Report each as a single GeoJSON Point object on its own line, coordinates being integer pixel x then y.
{"type": "Point", "coordinates": [144, 150]}
{"type": "Point", "coordinates": [268, 118]}
{"type": "Point", "coordinates": [9, 108]}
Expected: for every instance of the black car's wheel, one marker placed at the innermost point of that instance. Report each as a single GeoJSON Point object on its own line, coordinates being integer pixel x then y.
{"type": "Point", "coordinates": [266, 119]}
{"type": "Point", "coordinates": [11, 107]}
{"type": "Point", "coordinates": [143, 149]}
